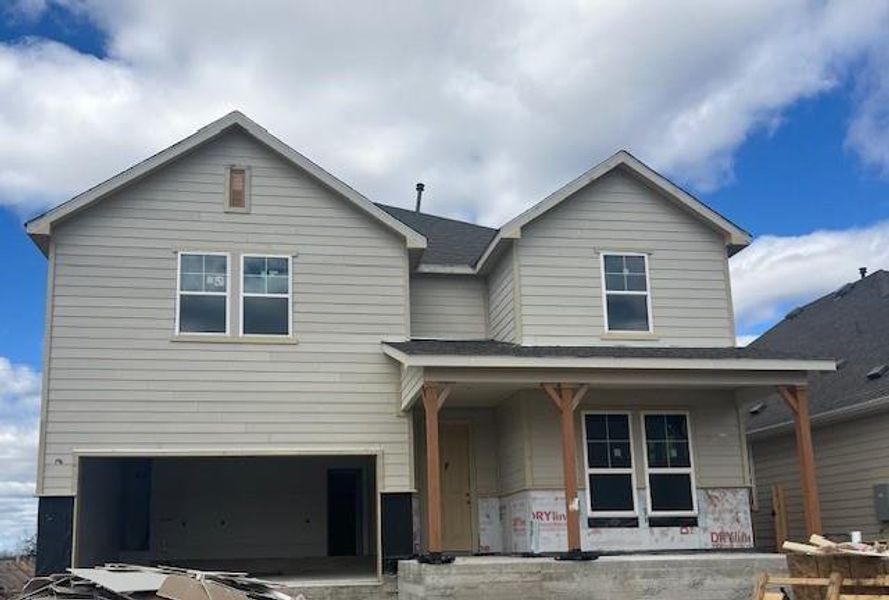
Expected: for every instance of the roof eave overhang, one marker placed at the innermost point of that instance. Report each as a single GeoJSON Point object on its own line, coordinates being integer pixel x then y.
{"type": "Point", "coordinates": [845, 413]}
{"type": "Point", "coordinates": [736, 239]}
{"type": "Point", "coordinates": [41, 226]}
{"type": "Point", "coordinates": [613, 363]}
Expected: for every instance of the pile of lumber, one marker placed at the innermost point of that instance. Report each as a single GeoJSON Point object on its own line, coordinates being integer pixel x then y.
{"type": "Point", "coordinates": [821, 545]}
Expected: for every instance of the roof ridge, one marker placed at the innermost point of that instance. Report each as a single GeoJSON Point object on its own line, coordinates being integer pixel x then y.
{"type": "Point", "coordinates": [426, 214]}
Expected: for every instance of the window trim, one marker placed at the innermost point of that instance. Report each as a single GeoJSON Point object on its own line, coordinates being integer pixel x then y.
{"type": "Point", "coordinates": [226, 294]}
{"type": "Point", "coordinates": [609, 471]}
{"type": "Point", "coordinates": [247, 189]}
{"type": "Point", "coordinates": [289, 297]}
{"type": "Point", "coordinates": [689, 470]}
{"type": "Point", "coordinates": [646, 293]}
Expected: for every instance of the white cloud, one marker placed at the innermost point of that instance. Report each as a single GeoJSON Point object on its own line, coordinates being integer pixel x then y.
{"type": "Point", "coordinates": [19, 414]}
{"type": "Point", "coordinates": [743, 340]}
{"type": "Point", "coordinates": [777, 272]}
{"type": "Point", "coordinates": [493, 104]}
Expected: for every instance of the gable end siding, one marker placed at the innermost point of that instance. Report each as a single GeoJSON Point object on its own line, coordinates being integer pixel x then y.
{"type": "Point", "coordinates": [559, 263]}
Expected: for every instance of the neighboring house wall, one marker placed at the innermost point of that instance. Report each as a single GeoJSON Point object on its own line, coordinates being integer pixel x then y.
{"type": "Point", "coordinates": [117, 378]}
{"type": "Point", "coordinates": [850, 458]}
{"type": "Point", "coordinates": [502, 299]}
{"type": "Point", "coordinates": [559, 268]}
{"type": "Point", "coordinates": [448, 307]}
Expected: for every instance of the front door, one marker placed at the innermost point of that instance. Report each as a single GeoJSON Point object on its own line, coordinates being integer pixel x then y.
{"type": "Point", "coordinates": [456, 496]}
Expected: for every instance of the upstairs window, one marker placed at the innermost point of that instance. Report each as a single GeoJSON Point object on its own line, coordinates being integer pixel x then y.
{"type": "Point", "coordinates": [265, 295]}
{"type": "Point", "coordinates": [626, 291]}
{"type": "Point", "coordinates": [237, 196]}
{"type": "Point", "coordinates": [202, 294]}
{"type": "Point", "coordinates": [671, 489]}
{"type": "Point", "coordinates": [609, 462]}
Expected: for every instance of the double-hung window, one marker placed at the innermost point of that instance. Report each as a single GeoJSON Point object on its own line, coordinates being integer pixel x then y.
{"type": "Point", "coordinates": [668, 465]}
{"type": "Point", "coordinates": [265, 295]}
{"type": "Point", "coordinates": [202, 294]}
{"type": "Point", "coordinates": [626, 292]}
{"type": "Point", "coordinates": [609, 463]}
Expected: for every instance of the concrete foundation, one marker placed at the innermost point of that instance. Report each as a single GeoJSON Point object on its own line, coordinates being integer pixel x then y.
{"type": "Point", "coordinates": [705, 576]}
{"type": "Point", "coordinates": [385, 589]}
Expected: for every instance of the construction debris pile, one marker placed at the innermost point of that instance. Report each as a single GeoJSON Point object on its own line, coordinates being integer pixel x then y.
{"type": "Point", "coordinates": [133, 582]}
{"type": "Point", "coordinates": [821, 545]}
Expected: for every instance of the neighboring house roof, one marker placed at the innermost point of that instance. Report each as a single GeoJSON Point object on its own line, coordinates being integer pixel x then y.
{"type": "Point", "coordinates": [476, 353]}
{"type": "Point", "coordinates": [40, 227]}
{"type": "Point", "coordinates": [850, 324]}
{"type": "Point", "coordinates": [449, 242]}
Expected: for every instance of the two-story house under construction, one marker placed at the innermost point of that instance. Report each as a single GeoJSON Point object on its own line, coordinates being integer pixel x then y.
{"type": "Point", "coordinates": [251, 366]}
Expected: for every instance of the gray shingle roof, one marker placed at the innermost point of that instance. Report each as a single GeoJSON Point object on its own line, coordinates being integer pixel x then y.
{"type": "Point", "coordinates": [494, 348]}
{"type": "Point", "coordinates": [851, 324]}
{"type": "Point", "coordinates": [450, 242]}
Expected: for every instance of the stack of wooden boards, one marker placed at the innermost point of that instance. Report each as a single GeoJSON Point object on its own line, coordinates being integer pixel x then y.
{"type": "Point", "coordinates": [826, 570]}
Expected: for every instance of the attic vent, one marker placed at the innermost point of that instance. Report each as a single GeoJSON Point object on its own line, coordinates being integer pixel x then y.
{"type": "Point", "coordinates": [794, 313]}
{"type": "Point", "coordinates": [878, 371]}
{"type": "Point", "coordinates": [844, 290]}
{"type": "Point", "coordinates": [237, 193]}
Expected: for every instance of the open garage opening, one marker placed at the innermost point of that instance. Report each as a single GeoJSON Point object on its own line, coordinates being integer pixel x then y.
{"type": "Point", "coordinates": [288, 517]}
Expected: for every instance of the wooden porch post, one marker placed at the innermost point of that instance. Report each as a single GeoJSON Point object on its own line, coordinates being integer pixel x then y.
{"type": "Point", "coordinates": [433, 399]}
{"type": "Point", "coordinates": [797, 398]}
{"type": "Point", "coordinates": [566, 398]}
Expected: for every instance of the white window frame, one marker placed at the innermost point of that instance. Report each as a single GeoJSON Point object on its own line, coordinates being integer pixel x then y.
{"type": "Point", "coordinates": [227, 293]}
{"type": "Point", "coordinates": [689, 470]}
{"type": "Point", "coordinates": [247, 189]}
{"type": "Point", "coordinates": [289, 296]}
{"type": "Point", "coordinates": [646, 293]}
{"type": "Point", "coordinates": [609, 471]}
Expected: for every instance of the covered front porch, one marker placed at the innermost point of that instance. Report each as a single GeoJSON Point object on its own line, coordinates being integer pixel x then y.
{"type": "Point", "coordinates": [570, 450]}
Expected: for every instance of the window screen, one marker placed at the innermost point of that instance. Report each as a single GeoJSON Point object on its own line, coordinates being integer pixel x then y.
{"type": "Point", "coordinates": [266, 295]}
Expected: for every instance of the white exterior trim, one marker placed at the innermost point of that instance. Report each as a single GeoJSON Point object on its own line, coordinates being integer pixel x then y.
{"type": "Point", "coordinates": [734, 235]}
{"type": "Point", "coordinates": [609, 362]}
{"type": "Point", "coordinates": [41, 226]}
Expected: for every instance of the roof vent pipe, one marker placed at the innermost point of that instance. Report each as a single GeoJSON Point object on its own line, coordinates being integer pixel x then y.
{"type": "Point", "coordinates": [420, 188]}
{"type": "Point", "coordinates": [862, 271]}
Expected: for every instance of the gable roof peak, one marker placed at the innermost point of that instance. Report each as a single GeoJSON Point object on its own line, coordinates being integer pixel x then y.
{"type": "Point", "coordinates": [40, 227]}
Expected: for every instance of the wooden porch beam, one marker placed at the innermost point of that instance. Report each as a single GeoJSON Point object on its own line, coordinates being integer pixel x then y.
{"type": "Point", "coordinates": [566, 397]}
{"type": "Point", "coordinates": [797, 397]}
{"type": "Point", "coordinates": [433, 399]}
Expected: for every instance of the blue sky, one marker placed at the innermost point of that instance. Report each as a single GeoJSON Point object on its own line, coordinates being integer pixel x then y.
{"type": "Point", "coordinates": [774, 113]}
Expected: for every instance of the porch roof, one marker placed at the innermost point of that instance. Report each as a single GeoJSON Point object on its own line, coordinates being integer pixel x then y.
{"type": "Point", "coordinates": [490, 353]}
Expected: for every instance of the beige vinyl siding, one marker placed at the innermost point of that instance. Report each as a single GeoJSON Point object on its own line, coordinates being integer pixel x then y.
{"type": "Point", "coordinates": [513, 445]}
{"type": "Point", "coordinates": [448, 307]}
{"type": "Point", "coordinates": [850, 458]}
{"type": "Point", "coordinates": [560, 280]}
{"type": "Point", "coordinates": [501, 299]}
{"type": "Point", "coordinates": [713, 419]}
{"type": "Point", "coordinates": [118, 380]}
